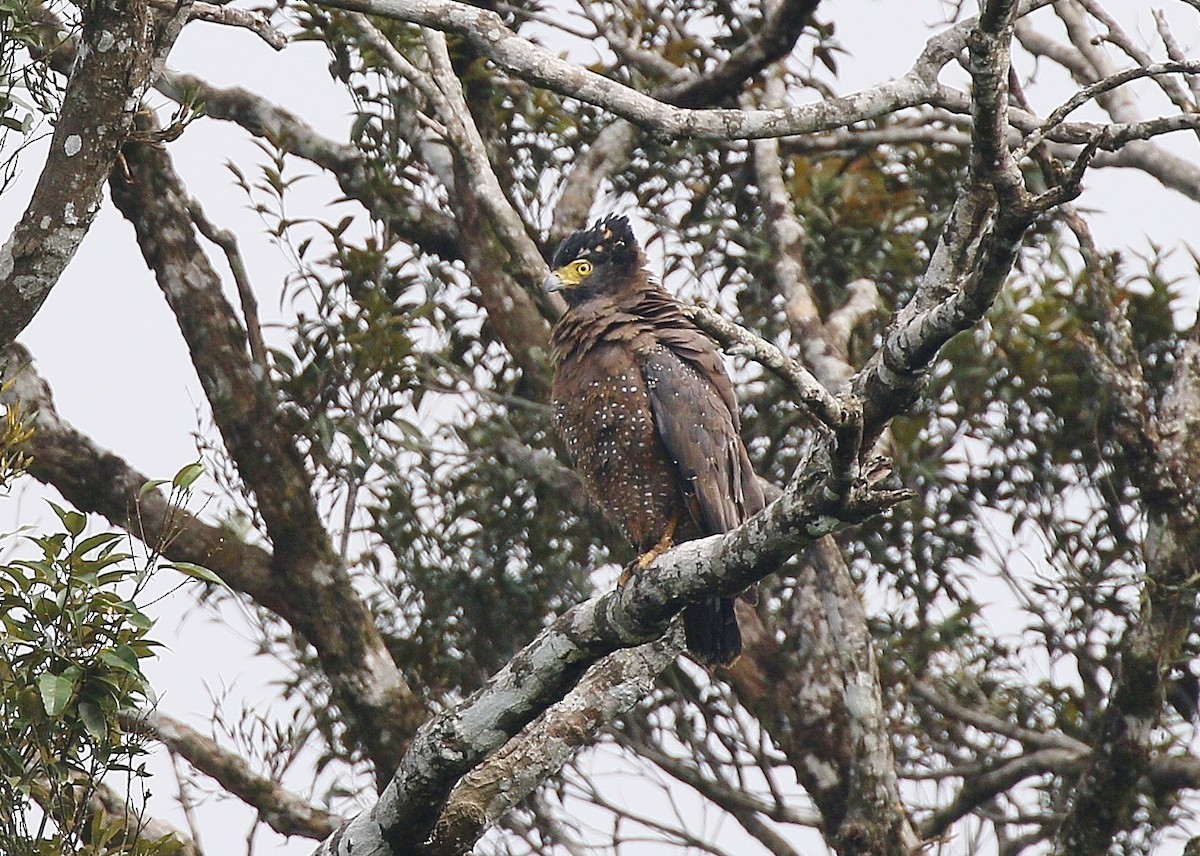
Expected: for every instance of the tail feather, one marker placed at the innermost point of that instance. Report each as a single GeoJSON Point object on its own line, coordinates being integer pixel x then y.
{"type": "Point", "coordinates": [711, 630]}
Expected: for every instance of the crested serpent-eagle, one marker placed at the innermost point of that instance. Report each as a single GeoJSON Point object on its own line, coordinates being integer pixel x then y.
{"type": "Point", "coordinates": [648, 414]}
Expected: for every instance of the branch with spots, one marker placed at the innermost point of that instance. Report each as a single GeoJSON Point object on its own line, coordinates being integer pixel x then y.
{"type": "Point", "coordinates": [96, 118]}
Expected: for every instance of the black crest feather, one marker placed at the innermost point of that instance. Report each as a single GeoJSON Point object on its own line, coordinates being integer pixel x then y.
{"type": "Point", "coordinates": [610, 240]}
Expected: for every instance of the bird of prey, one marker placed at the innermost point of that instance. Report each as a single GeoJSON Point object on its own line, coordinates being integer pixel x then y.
{"type": "Point", "coordinates": [648, 414]}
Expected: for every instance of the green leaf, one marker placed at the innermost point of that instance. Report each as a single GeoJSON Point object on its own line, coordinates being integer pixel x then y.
{"type": "Point", "coordinates": [196, 572]}
{"type": "Point", "coordinates": [88, 544]}
{"type": "Point", "coordinates": [72, 520]}
{"type": "Point", "coordinates": [151, 485]}
{"type": "Point", "coordinates": [56, 692]}
{"type": "Point", "coordinates": [93, 719]}
{"type": "Point", "coordinates": [184, 478]}
{"type": "Point", "coordinates": [122, 658]}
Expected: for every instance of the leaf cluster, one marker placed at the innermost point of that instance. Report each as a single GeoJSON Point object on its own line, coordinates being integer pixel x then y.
{"type": "Point", "coordinates": [70, 664]}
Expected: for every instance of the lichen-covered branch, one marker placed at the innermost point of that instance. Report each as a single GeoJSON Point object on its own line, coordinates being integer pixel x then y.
{"type": "Point", "coordinates": [97, 115]}
{"type": "Point", "coordinates": [486, 31]}
{"type": "Point", "coordinates": [609, 689]}
{"type": "Point", "coordinates": [249, 19]}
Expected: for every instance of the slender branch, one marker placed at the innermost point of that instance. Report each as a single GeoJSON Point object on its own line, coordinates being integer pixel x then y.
{"type": "Point", "coordinates": [1175, 52]}
{"type": "Point", "coordinates": [486, 32]}
{"type": "Point", "coordinates": [230, 16]}
{"type": "Point", "coordinates": [824, 406]}
{"type": "Point", "coordinates": [1093, 90]}
{"type": "Point", "coordinates": [729, 796]}
{"type": "Point", "coordinates": [981, 787]}
{"type": "Point", "coordinates": [284, 811]}
{"type": "Point", "coordinates": [471, 153]}
{"type": "Point", "coordinates": [1117, 36]}
{"type": "Point", "coordinates": [987, 722]}
{"type": "Point", "coordinates": [227, 241]}
{"type": "Point", "coordinates": [773, 40]}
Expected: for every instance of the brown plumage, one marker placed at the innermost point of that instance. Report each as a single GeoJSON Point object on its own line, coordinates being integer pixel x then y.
{"type": "Point", "coordinates": [648, 414]}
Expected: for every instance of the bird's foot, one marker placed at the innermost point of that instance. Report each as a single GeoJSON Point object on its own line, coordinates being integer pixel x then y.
{"type": "Point", "coordinates": [645, 560]}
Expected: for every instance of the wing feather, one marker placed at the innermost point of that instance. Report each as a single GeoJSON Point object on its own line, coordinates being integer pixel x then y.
{"type": "Point", "coordinates": [699, 431]}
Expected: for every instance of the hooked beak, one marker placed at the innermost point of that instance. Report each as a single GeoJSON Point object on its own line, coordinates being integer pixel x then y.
{"type": "Point", "coordinates": [553, 283]}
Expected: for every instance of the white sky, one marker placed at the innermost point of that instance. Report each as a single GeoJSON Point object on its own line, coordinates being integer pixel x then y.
{"type": "Point", "coordinates": [119, 370]}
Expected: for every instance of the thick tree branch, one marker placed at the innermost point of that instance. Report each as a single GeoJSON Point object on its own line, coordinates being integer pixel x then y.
{"type": "Point", "coordinates": [97, 115]}
{"type": "Point", "coordinates": [610, 688]}
{"type": "Point", "coordinates": [97, 481]}
{"type": "Point", "coordinates": [977, 247]}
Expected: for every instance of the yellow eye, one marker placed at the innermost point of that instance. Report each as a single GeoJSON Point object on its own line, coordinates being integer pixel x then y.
{"type": "Point", "coordinates": [582, 267]}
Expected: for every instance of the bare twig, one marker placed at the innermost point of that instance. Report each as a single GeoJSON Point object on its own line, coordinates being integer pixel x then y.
{"type": "Point", "coordinates": [227, 241]}
{"type": "Point", "coordinates": [231, 16]}
{"type": "Point", "coordinates": [284, 811]}
{"type": "Point", "coordinates": [810, 391]}
{"type": "Point", "coordinates": [1097, 89]}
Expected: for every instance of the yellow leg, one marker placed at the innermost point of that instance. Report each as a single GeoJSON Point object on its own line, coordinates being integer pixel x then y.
{"type": "Point", "coordinates": [647, 559]}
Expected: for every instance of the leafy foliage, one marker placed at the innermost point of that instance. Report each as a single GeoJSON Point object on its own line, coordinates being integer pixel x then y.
{"type": "Point", "coordinates": [70, 660]}
{"type": "Point", "coordinates": [71, 685]}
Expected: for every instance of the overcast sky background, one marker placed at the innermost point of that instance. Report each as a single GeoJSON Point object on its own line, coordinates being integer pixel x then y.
{"type": "Point", "coordinates": [111, 351]}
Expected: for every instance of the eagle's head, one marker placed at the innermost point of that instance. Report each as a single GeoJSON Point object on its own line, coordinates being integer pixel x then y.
{"type": "Point", "coordinates": [601, 260]}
